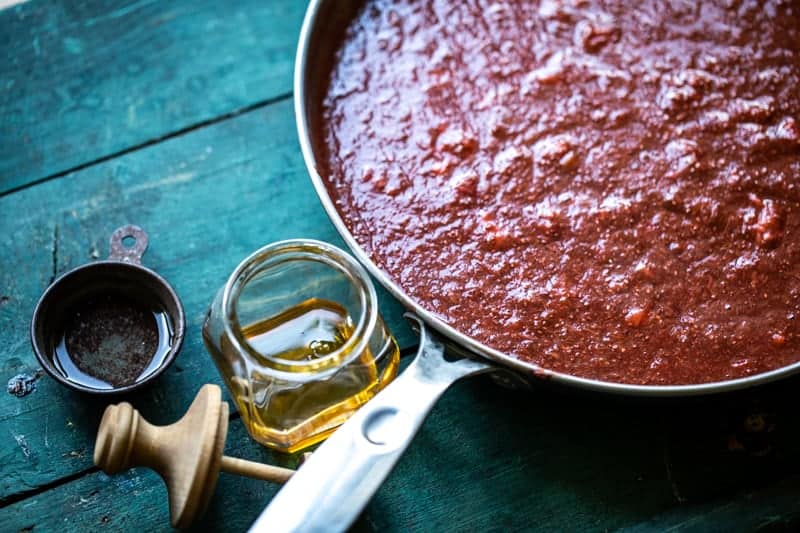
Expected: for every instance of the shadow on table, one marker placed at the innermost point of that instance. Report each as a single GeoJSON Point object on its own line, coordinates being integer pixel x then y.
{"type": "Point", "coordinates": [490, 458]}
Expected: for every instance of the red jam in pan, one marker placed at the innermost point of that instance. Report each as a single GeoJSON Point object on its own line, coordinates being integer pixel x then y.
{"type": "Point", "coordinates": [606, 189]}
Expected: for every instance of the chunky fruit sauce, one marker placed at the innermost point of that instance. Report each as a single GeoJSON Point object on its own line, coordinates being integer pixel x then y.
{"type": "Point", "coordinates": [603, 188]}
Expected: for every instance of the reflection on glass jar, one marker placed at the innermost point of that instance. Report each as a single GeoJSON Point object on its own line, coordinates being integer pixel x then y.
{"type": "Point", "coordinates": [297, 337]}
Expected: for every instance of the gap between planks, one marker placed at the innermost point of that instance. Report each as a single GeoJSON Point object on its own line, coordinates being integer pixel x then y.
{"type": "Point", "coordinates": [171, 135]}
{"type": "Point", "coordinates": [35, 491]}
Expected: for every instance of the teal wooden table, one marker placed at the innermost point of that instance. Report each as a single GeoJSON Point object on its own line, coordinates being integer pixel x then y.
{"type": "Point", "coordinates": [178, 116]}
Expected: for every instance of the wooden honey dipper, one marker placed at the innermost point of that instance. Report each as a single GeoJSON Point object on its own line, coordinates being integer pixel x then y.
{"type": "Point", "coordinates": [186, 454]}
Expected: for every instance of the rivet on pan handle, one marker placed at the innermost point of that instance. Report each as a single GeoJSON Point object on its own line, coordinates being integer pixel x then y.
{"type": "Point", "coordinates": [329, 491]}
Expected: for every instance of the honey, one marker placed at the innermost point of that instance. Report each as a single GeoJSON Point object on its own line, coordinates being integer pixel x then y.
{"type": "Point", "coordinates": [280, 411]}
{"type": "Point", "coordinates": [299, 342]}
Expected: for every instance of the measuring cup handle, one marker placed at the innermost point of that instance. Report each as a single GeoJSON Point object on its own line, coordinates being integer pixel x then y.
{"type": "Point", "coordinates": [128, 254]}
{"type": "Point", "coordinates": [329, 491]}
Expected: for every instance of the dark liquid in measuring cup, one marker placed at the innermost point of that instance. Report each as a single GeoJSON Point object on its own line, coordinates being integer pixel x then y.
{"type": "Point", "coordinates": [111, 340]}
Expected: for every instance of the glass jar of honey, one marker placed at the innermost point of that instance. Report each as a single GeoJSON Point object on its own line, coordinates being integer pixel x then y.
{"type": "Point", "coordinates": [297, 336]}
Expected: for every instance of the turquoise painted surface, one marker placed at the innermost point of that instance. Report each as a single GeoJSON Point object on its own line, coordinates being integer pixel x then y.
{"type": "Point", "coordinates": [207, 201]}
{"type": "Point", "coordinates": [81, 81]}
{"type": "Point", "coordinates": [207, 162]}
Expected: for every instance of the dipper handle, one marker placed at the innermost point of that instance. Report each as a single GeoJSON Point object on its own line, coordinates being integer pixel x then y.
{"type": "Point", "coordinates": [261, 471]}
{"type": "Point", "coordinates": [186, 454]}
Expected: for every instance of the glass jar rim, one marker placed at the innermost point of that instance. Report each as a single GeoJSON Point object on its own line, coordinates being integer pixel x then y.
{"type": "Point", "coordinates": [310, 250]}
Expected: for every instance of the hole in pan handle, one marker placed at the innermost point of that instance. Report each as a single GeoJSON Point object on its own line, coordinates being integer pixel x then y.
{"type": "Point", "coordinates": [329, 491]}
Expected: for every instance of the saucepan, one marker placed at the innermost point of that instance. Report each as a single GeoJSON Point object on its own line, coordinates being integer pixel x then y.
{"type": "Point", "coordinates": [338, 480]}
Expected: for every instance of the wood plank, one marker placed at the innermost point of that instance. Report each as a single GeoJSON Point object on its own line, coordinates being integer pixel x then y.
{"type": "Point", "coordinates": [488, 459]}
{"type": "Point", "coordinates": [555, 460]}
{"type": "Point", "coordinates": [80, 81]}
{"type": "Point", "coordinates": [207, 199]}
{"type": "Point", "coordinates": [138, 499]}
{"type": "Point", "coordinates": [773, 508]}
{"type": "Point", "coordinates": [468, 451]}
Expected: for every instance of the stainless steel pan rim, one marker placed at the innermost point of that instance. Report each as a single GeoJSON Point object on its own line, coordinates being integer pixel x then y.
{"type": "Point", "coordinates": [303, 104]}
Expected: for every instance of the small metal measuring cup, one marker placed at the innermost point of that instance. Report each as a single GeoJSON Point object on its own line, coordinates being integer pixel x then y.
{"type": "Point", "coordinates": [109, 326]}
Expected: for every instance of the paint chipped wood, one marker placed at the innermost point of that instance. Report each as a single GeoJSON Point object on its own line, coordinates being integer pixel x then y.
{"type": "Point", "coordinates": [83, 81]}
{"type": "Point", "coordinates": [178, 118]}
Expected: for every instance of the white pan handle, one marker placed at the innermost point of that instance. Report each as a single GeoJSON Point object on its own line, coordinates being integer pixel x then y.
{"type": "Point", "coordinates": [329, 491]}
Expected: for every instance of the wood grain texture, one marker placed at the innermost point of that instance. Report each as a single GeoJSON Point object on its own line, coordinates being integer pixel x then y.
{"type": "Point", "coordinates": [137, 499]}
{"type": "Point", "coordinates": [494, 460]}
{"type": "Point", "coordinates": [769, 509]}
{"type": "Point", "coordinates": [207, 199]}
{"type": "Point", "coordinates": [82, 80]}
